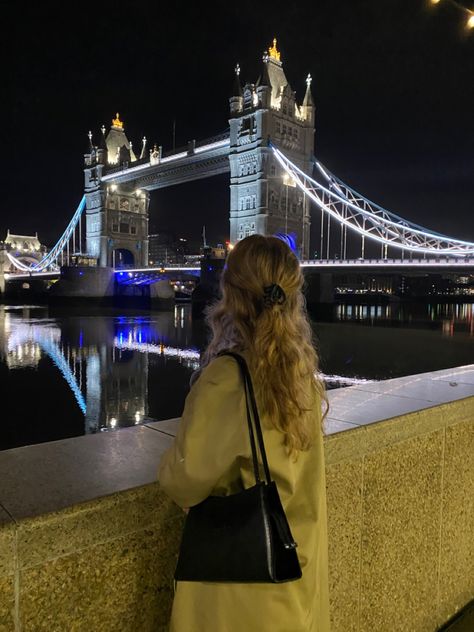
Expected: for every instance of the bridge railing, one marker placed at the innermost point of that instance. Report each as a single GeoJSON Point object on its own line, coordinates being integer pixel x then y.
{"type": "Point", "coordinates": [213, 139]}
{"type": "Point", "coordinates": [194, 144]}
{"type": "Point", "coordinates": [408, 261]}
{"type": "Point", "coordinates": [125, 165]}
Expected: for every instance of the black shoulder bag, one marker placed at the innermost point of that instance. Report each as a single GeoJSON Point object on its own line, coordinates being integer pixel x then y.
{"type": "Point", "coordinates": [243, 537]}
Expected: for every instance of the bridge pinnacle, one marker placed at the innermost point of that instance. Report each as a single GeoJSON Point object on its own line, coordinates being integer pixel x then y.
{"type": "Point", "coordinates": [273, 52]}
{"type": "Point", "coordinates": [237, 91]}
{"type": "Point", "coordinates": [117, 123]}
{"type": "Point", "coordinates": [308, 102]}
{"type": "Point", "coordinates": [142, 153]}
{"type": "Point", "coordinates": [103, 144]}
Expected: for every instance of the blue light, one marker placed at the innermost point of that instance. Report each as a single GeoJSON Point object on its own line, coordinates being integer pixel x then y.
{"type": "Point", "coordinates": [289, 239]}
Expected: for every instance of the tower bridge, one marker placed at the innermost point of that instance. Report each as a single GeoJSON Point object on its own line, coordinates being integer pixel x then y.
{"type": "Point", "coordinates": [277, 186]}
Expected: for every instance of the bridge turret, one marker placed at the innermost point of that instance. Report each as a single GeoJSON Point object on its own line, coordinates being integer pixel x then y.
{"type": "Point", "coordinates": [116, 214]}
{"type": "Point", "coordinates": [308, 103]}
{"type": "Point", "coordinates": [236, 100]}
{"type": "Point", "coordinates": [261, 201]}
{"type": "Point", "coordinates": [118, 146]}
{"type": "Point", "coordinates": [101, 151]}
{"type": "Point", "coordinates": [264, 86]}
{"type": "Point", "coordinates": [90, 157]}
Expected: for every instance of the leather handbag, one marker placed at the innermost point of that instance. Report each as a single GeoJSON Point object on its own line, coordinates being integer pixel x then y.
{"type": "Point", "coordinates": [242, 537]}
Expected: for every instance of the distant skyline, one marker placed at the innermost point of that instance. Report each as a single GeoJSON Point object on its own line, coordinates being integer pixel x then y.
{"type": "Point", "coordinates": [392, 84]}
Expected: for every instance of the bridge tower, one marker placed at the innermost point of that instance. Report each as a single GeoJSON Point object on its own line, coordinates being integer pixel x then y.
{"type": "Point", "coordinates": [116, 216]}
{"type": "Point", "coordinates": [261, 199]}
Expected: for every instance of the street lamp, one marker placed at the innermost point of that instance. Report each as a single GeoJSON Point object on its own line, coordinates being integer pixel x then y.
{"type": "Point", "coordinates": [468, 12]}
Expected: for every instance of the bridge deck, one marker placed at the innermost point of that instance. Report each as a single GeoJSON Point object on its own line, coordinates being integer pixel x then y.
{"type": "Point", "coordinates": [452, 264]}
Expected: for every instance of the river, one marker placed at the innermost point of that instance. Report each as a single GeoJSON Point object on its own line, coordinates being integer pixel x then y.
{"type": "Point", "coordinates": [66, 374]}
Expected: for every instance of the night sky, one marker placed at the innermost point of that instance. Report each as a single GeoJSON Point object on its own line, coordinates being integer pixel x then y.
{"type": "Point", "coordinates": [392, 83]}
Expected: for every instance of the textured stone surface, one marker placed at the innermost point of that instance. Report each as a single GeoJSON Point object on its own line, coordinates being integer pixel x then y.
{"type": "Point", "coordinates": [168, 426]}
{"type": "Point", "coordinates": [366, 439]}
{"type": "Point", "coordinates": [7, 568]}
{"type": "Point", "coordinates": [97, 539]}
{"type": "Point", "coordinates": [364, 407]}
{"type": "Point", "coordinates": [344, 501]}
{"type": "Point", "coordinates": [423, 387]}
{"type": "Point", "coordinates": [124, 584]}
{"type": "Point", "coordinates": [57, 534]}
{"type": "Point", "coordinates": [400, 535]}
{"type": "Point", "coordinates": [333, 426]}
{"type": "Point", "coordinates": [4, 517]}
{"type": "Point", "coordinates": [7, 603]}
{"type": "Point", "coordinates": [456, 586]}
{"type": "Point", "coordinates": [7, 536]}
{"type": "Point", "coordinates": [459, 374]}
{"type": "Point", "coordinates": [38, 479]}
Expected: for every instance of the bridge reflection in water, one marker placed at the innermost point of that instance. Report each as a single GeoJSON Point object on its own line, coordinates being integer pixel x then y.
{"type": "Point", "coordinates": [79, 375]}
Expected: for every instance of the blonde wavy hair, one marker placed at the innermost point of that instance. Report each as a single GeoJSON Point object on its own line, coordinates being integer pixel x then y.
{"type": "Point", "coordinates": [282, 359]}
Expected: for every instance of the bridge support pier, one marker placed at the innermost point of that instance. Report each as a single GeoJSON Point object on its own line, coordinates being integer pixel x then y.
{"type": "Point", "coordinates": [162, 296]}
{"type": "Point", "coordinates": [84, 283]}
{"type": "Point", "coordinates": [319, 292]}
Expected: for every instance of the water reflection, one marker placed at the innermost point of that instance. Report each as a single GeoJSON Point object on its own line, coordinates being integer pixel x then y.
{"type": "Point", "coordinates": [346, 312]}
{"type": "Point", "coordinates": [75, 375]}
{"type": "Point", "coordinates": [103, 360]}
{"type": "Point", "coordinates": [448, 317]}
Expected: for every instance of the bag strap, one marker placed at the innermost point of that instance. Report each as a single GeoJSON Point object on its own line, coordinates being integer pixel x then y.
{"type": "Point", "coordinates": [253, 404]}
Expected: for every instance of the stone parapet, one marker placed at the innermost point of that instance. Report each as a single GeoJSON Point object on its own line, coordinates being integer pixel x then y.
{"type": "Point", "coordinates": [88, 542]}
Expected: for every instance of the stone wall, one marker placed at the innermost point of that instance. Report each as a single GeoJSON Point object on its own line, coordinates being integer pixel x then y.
{"type": "Point", "coordinates": [401, 521]}
{"type": "Point", "coordinates": [88, 542]}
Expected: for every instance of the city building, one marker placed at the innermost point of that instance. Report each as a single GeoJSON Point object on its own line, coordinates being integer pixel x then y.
{"type": "Point", "coordinates": [164, 249]}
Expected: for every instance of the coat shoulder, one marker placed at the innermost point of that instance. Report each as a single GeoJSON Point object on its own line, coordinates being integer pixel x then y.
{"type": "Point", "coordinates": [221, 369]}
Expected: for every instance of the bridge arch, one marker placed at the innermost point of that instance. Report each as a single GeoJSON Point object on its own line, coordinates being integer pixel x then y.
{"type": "Point", "coordinates": [123, 258]}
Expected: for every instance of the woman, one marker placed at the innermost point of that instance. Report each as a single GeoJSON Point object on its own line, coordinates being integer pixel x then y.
{"type": "Point", "coordinates": [262, 316]}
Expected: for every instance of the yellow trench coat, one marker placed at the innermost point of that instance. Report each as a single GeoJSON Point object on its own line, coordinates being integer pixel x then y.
{"type": "Point", "coordinates": [211, 455]}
